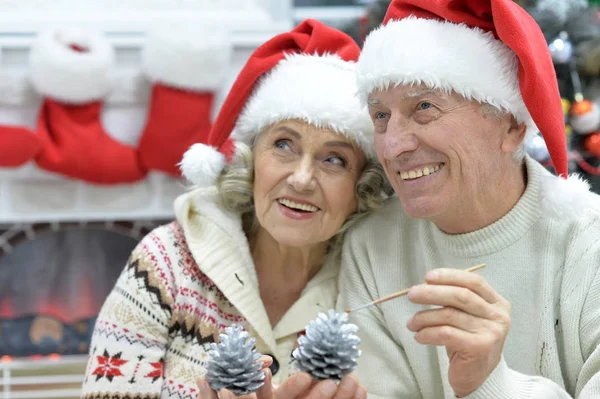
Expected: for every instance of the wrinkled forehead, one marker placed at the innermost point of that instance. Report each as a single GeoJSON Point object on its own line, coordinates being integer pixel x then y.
{"type": "Point", "coordinates": [404, 92]}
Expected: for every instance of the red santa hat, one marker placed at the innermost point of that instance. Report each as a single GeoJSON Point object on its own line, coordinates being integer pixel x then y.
{"type": "Point", "coordinates": [491, 51]}
{"type": "Point", "coordinates": [308, 74]}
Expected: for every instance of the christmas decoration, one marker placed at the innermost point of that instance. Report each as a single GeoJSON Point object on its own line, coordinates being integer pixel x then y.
{"type": "Point", "coordinates": [233, 364]}
{"type": "Point", "coordinates": [561, 48]}
{"type": "Point", "coordinates": [186, 67]}
{"type": "Point", "coordinates": [585, 117]}
{"type": "Point", "coordinates": [18, 145]}
{"type": "Point", "coordinates": [592, 144]}
{"type": "Point", "coordinates": [536, 148]}
{"type": "Point", "coordinates": [71, 69]}
{"type": "Point", "coordinates": [328, 350]}
{"type": "Point", "coordinates": [566, 111]}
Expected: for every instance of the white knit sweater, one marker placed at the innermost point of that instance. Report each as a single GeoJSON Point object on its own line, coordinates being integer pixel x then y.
{"type": "Point", "coordinates": [543, 256]}
{"type": "Point", "coordinates": [183, 284]}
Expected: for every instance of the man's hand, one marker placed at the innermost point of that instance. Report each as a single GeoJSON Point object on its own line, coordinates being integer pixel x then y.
{"type": "Point", "coordinates": [472, 324]}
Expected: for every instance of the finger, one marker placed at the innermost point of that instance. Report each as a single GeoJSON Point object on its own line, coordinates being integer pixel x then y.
{"type": "Point", "coordinates": [447, 336]}
{"type": "Point", "coordinates": [266, 391]}
{"type": "Point", "coordinates": [361, 393]}
{"type": "Point", "coordinates": [347, 388]}
{"type": "Point", "coordinates": [205, 391]}
{"type": "Point", "coordinates": [225, 394]}
{"type": "Point", "coordinates": [461, 278]}
{"type": "Point", "coordinates": [266, 360]}
{"type": "Point", "coordinates": [451, 296]}
{"type": "Point", "coordinates": [446, 316]}
{"type": "Point", "coordinates": [297, 384]}
{"type": "Point", "coordinates": [323, 390]}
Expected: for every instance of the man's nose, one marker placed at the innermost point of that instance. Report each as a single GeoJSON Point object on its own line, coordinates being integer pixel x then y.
{"type": "Point", "coordinates": [398, 138]}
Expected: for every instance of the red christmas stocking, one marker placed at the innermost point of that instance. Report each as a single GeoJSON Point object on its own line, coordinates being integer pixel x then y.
{"type": "Point", "coordinates": [185, 69]}
{"type": "Point", "coordinates": [72, 70]}
{"type": "Point", "coordinates": [18, 145]}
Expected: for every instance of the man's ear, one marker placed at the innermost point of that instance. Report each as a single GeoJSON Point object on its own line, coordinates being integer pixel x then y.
{"type": "Point", "coordinates": [514, 135]}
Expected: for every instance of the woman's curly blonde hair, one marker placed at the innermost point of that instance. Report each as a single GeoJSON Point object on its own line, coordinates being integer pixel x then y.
{"type": "Point", "coordinates": [235, 191]}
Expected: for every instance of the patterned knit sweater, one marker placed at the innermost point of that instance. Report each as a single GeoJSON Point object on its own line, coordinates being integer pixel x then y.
{"type": "Point", "coordinates": [183, 284]}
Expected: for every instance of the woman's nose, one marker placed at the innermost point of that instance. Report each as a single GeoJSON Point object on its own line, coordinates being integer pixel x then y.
{"type": "Point", "coordinates": [303, 176]}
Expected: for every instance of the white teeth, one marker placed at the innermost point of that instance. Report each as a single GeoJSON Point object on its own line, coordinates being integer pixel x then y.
{"type": "Point", "coordinates": [414, 174]}
{"type": "Point", "coordinates": [295, 205]}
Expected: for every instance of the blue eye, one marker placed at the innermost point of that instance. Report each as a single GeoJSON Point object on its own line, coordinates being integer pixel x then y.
{"type": "Point", "coordinates": [424, 105]}
{"type": "Point", "coordinates": [337, 160]}
{"type": "Point", "coordinates": [380, 115]}
{"type": "Point", "coordinates": [282, 144]}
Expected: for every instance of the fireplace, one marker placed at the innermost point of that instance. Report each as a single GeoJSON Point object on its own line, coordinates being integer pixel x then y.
{"type": "Point", "coordinates": [54, 279]}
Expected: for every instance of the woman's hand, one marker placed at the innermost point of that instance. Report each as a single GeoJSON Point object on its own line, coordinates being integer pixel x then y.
{"type": "Point", "coordinates": [297, 386]}
{"type": "Point", "coordinates": [301, 386]}
{"type": "Point", "coordinates": [266, 391]}
{"type": "Point", "coordinates": [206, 391]}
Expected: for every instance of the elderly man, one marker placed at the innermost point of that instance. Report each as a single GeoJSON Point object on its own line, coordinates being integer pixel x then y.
{"type": "Point", "coordinates": [454, 87]}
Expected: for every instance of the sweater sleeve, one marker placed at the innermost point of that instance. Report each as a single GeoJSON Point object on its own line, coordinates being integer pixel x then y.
{"type": "Point", "coordinates": [505, 383]}
{"type": "Point", "coordinates": [127, 352]}
{"type": "Point", "coordinates": [385, 372]}
{"type": "Point", "coordinates": [588, 381]}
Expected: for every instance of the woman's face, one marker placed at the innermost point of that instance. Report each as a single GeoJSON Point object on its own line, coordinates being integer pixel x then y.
{"type": "Point", "coordinates": [304, 180]}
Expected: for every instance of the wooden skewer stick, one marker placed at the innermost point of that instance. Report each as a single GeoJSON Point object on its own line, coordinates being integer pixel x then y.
{"type": "Point", "coordinates": [401, 293]}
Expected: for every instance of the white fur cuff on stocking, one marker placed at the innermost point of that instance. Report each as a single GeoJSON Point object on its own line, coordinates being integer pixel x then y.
{"type": "Point", "coordinates": [190, 59]}
{"type": "Point", "coordinates": [72, 65]}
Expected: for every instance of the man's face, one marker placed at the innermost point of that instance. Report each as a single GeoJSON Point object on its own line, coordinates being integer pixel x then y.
{"type": "Point", "coordinates": [444, 155]}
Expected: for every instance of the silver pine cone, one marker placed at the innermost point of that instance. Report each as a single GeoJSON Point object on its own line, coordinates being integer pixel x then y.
{"type": "Point", "coordinates": [329, 348]}
{"type": "Point", "coordinates": [233, 364]}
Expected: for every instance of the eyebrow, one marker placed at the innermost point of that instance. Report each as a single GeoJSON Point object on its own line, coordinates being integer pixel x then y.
{"type": "Point", "coordinates": [333, 143]}
{"type": "Point", "coordinates": [409, 95]}
{"type": "Point", "coordinates": [417, 93]}
{"type": "Point", "coordinates": [290, 131]}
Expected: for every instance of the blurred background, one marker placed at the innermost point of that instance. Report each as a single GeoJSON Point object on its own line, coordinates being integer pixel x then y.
{"type": "Point", "coordinates": [82, 181]}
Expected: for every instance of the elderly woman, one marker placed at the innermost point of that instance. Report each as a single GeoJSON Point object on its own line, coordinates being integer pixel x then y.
{"type": "Point", "coordinates": [255, 242]}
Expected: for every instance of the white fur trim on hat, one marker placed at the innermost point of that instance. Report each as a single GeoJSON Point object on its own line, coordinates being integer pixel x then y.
{"type": "Point", "coordinates": [188, 58]}
{"type": "Point", "coordinates": [202, 164]}
{"type": "Point", "coordinates": [318, 89]}
{"type": "Point", "coordinates": [443, 55]}
{"type": "Point", "coordinates": [60, 72]}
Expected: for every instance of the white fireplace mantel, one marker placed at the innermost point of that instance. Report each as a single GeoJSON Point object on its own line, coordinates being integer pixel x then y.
{"type": "Point", "coordinates": [25, 16]}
